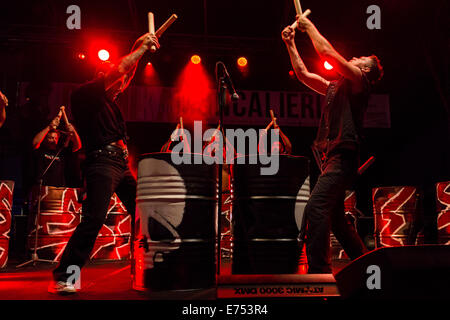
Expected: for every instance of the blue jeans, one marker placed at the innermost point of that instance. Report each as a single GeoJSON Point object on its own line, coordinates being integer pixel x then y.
{"type": "Point", "coordinates": [104, 174]}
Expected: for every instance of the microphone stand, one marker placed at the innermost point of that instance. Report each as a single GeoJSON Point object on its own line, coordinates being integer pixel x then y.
{"type": "Point", "coordinates": [221, 101]}
{"type": "Point", "coordinates": [34, 255]}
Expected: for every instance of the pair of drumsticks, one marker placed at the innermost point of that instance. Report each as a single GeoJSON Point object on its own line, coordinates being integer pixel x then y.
{"type": "Point", "coordinates": [298, 9]}
{"type": "Point", "coordinates": [62, 114]}
{"type": "Point", "coordinates": [274, 120]}
{"type": "Point", "coordinates": [160, 31]}
{"type": "Point", "coordinates": [173, 17]}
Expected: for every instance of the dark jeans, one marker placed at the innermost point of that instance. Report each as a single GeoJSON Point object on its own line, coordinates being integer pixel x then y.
{"type": "Point", "coordinates": [325, 211]}
{"type": "Point", "coordinates": [104, 174]}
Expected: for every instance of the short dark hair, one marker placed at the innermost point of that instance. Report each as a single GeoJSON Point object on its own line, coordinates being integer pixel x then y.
{"type": "Point", "coordinates": [376, 70]}
{"type": "Point", "coordinates": [53, 131]}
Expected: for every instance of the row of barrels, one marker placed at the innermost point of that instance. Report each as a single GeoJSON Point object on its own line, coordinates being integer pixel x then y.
{"type": "Point", "coordinates": [261, 218]}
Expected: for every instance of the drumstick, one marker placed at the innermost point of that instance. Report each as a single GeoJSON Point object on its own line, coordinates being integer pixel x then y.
{"type": "Point", "coordinates": [274, 120]}
{"type": "Point", "coordinates": [63, 110]}
{"type": "Point", "coordinates": [305, 14]}
{"type": "Point", "coordinates": [272, 115]}
{"type": "Point", "coordinates": [165, 25]}
{"type": "Point", "coordinates": [298, 7]}
{"type": "Point", "coordinates": [151, 28]}
{"type": "Point", "coordinates": [366, 165]}
{"type": "Point", "coordinates": [181, 122]}
{"type": "Point", "coordinates": [59, 115]}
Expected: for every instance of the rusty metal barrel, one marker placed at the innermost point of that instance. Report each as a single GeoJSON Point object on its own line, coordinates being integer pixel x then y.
{"type": "Point", "coordinates": [6, 202]}
{"type": "Point", "coordinates": [60, 214]}
{"type": "Point", "coordinates": [443, 214]}
{"type": "Point", "coordinates": [397, 214]}
{"type": "Point", "coordinates": [268, 216]}
{"type": "Point", "coordinates": [176, 212]}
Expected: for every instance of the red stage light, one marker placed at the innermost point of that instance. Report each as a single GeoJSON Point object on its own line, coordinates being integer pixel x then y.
{"type": "Point", "coordinates": [149, 63]}
{"type": "Point", "coordinates": [291, 73]}
{"type": "Point", "coordinates": [327, 65]}
{"type": "Point", "coordinates": [103, 55]}
{"type": "Point", "coordinates": [81, 56]}
{"type": "Point", "coordinates": [195, 59]}
{"type": "Point", "coordinates": [242, 62]}
{"type": "Point", "coordinates": [193, 94]}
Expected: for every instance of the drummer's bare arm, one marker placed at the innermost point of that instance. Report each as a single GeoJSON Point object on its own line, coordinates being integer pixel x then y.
{"type": "Point", "coordinates": [75, 138]}
{"type": "Point", "coordinates": [127, 64]}
{"type": "Point", "coordinates": [311, 80]}
{"type": "Point", "coordinates": [328, 52]}
{"type": "Point", "coordinates": [286, 142]}
{"type": "Point", "coordinates": [39, 137]}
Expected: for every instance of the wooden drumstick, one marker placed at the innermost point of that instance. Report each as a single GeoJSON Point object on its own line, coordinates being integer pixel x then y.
{"type": "Point", "coordinates": [151, 28]}
{"type": "Point", "coordinates": [272, 115]}
{"type": "Point", "coordinates": [366, 165]}
{"type": "Point", "coordinates": [305, 14]}
{"type": "Point", "coordinates": [64, 115]}
{"type": "Point", "coordinates": [298, 7]}
{"type": "Point", "coordinates": [181, 122]}
{"type": "Point", "coordinates": [165, 25]}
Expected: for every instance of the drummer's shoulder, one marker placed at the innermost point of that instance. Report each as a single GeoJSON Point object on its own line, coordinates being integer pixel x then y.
{"type": "Point", "coordinates": [89, 88]}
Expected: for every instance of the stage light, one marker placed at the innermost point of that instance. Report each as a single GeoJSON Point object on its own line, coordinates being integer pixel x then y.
{"type": "Point", "coordinates": [81, 56]}
{"type": "Point", "coordinates": [242, 62]}
{"type": "Point", "coordinates": [103, 55]}
{"type": "Point", "coordinates": [327, 65]}
{"type": "Point", "coordinates": [291, 73]}
{"type": "Point", "coordinates": [195, 59]}
{"type": "Point", "coordinates": [194, 93]}
{"type": "Point", "coordinates": [149, 63]}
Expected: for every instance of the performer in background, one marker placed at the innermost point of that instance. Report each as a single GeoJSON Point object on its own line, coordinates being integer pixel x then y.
{"type": "Point", "coordinates": [337, 142]}
{"type": "Point", "coordinates": [63, 172]}
{"type": "Point", "coordinates": [229, 152]}
{"type": "Point", "coordinates": [102, 130]}
{"type": "Point", "coordinates": [281, 147]}
{"type": "Point", "coordinates": [3, 105]}
{"type": "Point", "coordinates": [180, 133]}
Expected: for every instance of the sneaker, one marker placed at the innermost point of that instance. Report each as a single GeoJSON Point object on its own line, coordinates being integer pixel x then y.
{"type": "Point", "coordinates": [61, 287]}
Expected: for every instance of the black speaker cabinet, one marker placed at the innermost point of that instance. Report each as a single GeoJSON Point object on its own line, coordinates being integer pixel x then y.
{"type": "Point", "coordinates": [407, 272]}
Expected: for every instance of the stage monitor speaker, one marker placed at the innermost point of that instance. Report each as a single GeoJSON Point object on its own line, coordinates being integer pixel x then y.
{"type": "Point", "coordinates": [408, 272]}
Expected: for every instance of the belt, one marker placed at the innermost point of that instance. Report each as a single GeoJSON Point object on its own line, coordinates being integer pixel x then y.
{"type": "Point", "coordinates": [111, 150]}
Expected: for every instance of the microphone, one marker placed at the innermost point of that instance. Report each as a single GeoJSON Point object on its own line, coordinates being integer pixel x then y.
{"type": "Point", "coordinates": [234, 95]}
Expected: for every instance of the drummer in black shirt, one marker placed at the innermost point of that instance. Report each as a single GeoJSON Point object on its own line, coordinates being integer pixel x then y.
{"type": "Point", "coordinates": [336, 146]}
{"type": "Point", "coordinates": [103, 134]}
{"type": "Point", "coordinates": [63, 171]}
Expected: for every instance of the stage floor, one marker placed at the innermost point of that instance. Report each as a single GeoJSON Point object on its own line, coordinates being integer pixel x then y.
{"type": "Point", "coordinates": [103, 280]}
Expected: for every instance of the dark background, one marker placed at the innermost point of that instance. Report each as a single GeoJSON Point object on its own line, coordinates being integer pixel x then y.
{"type": "Point", "coordinates": [413, 46]}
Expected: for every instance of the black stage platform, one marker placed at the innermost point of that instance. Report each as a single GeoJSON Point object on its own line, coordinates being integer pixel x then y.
{"type": "Point", "coordinates": [105, 280]}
